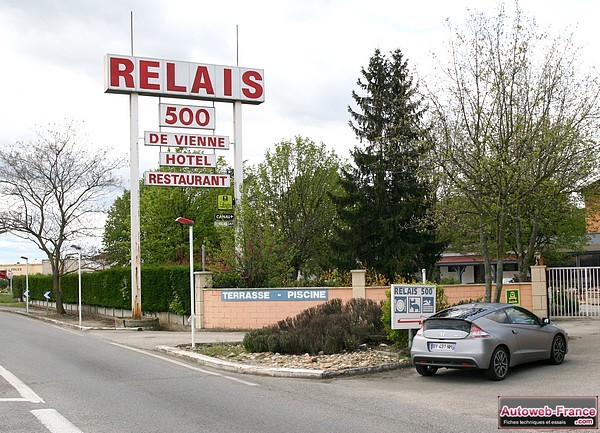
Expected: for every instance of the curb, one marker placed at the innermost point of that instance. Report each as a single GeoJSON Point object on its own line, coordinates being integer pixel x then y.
{"type": "Point", "coordinates": [259, 370]}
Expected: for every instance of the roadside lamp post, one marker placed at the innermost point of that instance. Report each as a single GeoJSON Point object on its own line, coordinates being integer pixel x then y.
{"type": "Point", "coordinates": [26, 283]}
{"type": "Point", "coordinates": [190, 224]}
{"type": "Point", "coordinates": [78, 248]}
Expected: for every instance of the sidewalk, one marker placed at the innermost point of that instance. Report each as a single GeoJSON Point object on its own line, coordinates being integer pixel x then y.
{"type": "Point", "coordinates": [147, 340]}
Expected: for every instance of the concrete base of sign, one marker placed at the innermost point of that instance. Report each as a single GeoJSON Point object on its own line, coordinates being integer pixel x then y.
{"type": "Point", "coordinates": [146, 324]}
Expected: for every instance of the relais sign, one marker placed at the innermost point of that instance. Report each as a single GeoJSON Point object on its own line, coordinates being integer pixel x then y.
{"type": "Point", "coordinates": [411, 303]}
{"type": "Point", "coordinates": [175, 79]}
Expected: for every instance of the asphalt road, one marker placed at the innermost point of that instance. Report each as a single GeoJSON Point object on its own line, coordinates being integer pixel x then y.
{"type": "Point", "coordinates": [88, 383]}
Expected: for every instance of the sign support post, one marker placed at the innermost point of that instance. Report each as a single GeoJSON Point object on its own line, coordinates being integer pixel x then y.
{"type": "Point", "coordinates": [237, 168]}
{"type": "Point", "coordinates": [136, 262]}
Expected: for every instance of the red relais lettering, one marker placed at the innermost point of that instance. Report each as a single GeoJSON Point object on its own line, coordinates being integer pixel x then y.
{"type": "Point", "coordinates": [202, 81]}
{"type": "Point", "coordinates": [171, 86]}
{"type": "Point", "coordinates": [121, 68]}
{"type": "Point", "coordinates": [146, 74]}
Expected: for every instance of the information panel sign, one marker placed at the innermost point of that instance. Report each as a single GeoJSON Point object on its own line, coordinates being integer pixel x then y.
{"type": "Point", "coordinates": [411, 303]}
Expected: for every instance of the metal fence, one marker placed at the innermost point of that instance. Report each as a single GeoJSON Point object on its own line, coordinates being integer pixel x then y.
{"type": "Point", "coordinates": [574, 292]}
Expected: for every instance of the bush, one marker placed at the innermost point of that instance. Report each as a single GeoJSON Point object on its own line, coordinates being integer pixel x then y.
{"type": "Point", "coordinates": [330, 328]}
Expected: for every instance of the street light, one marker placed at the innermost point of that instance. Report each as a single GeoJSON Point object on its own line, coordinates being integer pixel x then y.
{"type": "Point", "coordinates": [26, 283]}
{"type": "Point", "coordinates": [190, 224]}
{"type": "Point", "coordinates": [78, 248]}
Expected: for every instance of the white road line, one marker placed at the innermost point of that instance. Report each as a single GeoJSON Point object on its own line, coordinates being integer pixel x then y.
{"type": "Point", "coordinates": [26, 392]}
{"type": "Point", "coordinates": [54, 421]}
{"type": "Point", "coordinates": [182, 364]}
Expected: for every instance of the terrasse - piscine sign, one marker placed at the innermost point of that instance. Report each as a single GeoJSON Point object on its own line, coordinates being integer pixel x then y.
{"type": "Point", "coordinates": [275, 295]}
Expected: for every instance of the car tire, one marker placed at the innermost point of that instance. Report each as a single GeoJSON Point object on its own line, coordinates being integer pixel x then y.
{"type": "Point", "coordinates": [426, 370]}
{"type": "Point", "coordinates": [498, 368]}
{"type": "Point", "coordinates": [557, 350]}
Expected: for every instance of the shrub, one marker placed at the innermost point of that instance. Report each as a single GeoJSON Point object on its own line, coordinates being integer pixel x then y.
{"type": "Point", "coordinates": [332, 327]}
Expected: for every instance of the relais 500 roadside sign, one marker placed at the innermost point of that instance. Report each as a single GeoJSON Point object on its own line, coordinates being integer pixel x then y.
{"type": "Point", "coordinates": [175, 79]}
{"type": "Point", "coordinates": [411, 303]}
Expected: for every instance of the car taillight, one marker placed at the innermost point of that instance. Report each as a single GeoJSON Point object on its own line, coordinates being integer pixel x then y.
{"type": "Point", "coordinates": [420, 331]}
{"type": "Point", "coordinates": [477, 332]}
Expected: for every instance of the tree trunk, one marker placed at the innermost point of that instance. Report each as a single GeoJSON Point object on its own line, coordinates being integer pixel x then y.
{"type": "Point", "coordinates": [500, 259]}
{"type": "Point", "coordinates": [56, 288]}
{"type": "Point", "coordinates": [487, 262]}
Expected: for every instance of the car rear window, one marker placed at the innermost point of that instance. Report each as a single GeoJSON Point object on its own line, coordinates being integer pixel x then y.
{"type": "Point", "coordinates": [454, 324]}
{"type": "Point", "coordinates": [459, 313]}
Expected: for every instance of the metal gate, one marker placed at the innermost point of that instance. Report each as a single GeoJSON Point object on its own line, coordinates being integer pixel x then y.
{"type": "Point", "coordinates": [574, 292]}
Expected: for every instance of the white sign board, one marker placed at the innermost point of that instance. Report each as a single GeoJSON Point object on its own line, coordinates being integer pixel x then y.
{"type": "Point", "coordinates": [187, 116]}
{"type": "Point", "coordinates": [159, 178]}
{"type": "Point", "coordinates": [176, 79]}
{"type": "Point", "coordinates": [199, 160]}
{"type": "Point", "coordinates": [217, 142]}
{"type": "Point", "coordinates": [411, 304]}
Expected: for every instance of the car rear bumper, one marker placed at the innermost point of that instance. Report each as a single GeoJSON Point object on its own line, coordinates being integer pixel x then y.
{"type": "Point", "coordinates": [445, 362]}
{"type": "Point", "coordinates": [469, 353]}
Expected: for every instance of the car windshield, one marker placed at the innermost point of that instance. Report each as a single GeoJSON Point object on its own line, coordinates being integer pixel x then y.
{"type": "Point", "coordinates": [459, 312]}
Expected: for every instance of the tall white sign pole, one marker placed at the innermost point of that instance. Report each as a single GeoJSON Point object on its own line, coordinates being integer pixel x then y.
{"type": "Point", "coordinates": [136, 274]}
{"type": "Point", "coordinates": [134, 172]}
{"type": "Point", "coordinates": [237, 154]}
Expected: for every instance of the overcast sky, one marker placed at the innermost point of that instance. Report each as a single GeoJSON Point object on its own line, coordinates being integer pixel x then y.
{"type": "Point", "coordinates": [311, 51]}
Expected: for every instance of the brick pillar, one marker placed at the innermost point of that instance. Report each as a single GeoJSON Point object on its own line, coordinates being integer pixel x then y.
{"type": "Point", "coordinates": [358, 283]}
{"type": "Point", "coordinates": [202, 280]}
{"type": "Point", "coordinates": [539, 290]}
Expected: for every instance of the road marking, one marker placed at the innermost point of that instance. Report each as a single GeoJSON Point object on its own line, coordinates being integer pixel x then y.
{"type": "Point", "coordinates": [27, 393]}
{"type": "Point", "coordinates": [54, 421]}
{"type": "Point", "coordinates": [182, 364]}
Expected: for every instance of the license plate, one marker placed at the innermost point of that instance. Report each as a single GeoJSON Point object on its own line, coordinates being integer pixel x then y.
{"type": "Point", "coordinates": [441, 347]}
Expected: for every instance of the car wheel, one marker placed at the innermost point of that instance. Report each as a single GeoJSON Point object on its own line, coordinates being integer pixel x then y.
{"type": "Point", "coordinates": [498, 368]}
{"type": "Point", "coordinates": [557, 351]}
{"type": "Point", "coordinates": [426, 370]}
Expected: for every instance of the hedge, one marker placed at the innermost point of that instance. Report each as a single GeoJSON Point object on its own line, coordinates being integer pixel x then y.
{"type": "Point", "coordinates": [164, 288]}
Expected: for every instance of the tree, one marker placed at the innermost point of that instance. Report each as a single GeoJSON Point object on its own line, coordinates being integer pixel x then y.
{"type": "Point", "coordinates": [54, 186]}
{"type": "Point", "coordinates": [515, 125]}
{"type": "Point", "coordinates": [288, 210]}
{"type": "Point", "coordinates": [386, 207]}
{"type": "Point", "coordinates": [162, 239]}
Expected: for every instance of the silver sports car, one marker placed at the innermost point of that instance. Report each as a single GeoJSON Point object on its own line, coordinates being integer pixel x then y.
{"type": "Point", "coordinates": [492, 337]}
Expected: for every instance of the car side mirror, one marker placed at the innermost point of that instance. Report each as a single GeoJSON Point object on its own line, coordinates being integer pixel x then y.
{"type": "Point", "coordinates": [545, 321]}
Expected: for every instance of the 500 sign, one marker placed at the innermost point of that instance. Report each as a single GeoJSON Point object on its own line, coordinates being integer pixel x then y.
{"type": "Point", "coordinates": [187, 116]}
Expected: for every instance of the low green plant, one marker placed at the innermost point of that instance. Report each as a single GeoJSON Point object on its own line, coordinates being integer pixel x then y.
{"type": "Point", "coordinates": [332, 327]}
{"type": "Point", "coordinates": [8, 300]}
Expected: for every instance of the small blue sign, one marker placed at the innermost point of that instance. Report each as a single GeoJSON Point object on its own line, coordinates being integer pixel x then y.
{"type": "Point", "coordinates": [400, 304]}
{"type": "Point", "coordinates": [414, 305]}
{"type": "Point", "coordinates": [428, 304]}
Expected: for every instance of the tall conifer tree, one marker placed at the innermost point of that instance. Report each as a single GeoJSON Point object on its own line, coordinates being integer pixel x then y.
{"type": "Point", "coordinates": [385, 211]}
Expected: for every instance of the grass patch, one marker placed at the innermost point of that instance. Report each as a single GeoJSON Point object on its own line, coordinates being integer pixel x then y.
{"type": "Point", "coordinates": [220, 350]}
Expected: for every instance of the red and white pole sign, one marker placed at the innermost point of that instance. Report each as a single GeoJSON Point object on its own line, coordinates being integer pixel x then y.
{"type": "Point", "coordinates": [199, 160]}
{"type": "Point", "coordinates": [175, 79]}
{"type": "Point", "coordinates": [217, 142]}
{"type": "Point", "coordinates": [187, 116]}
